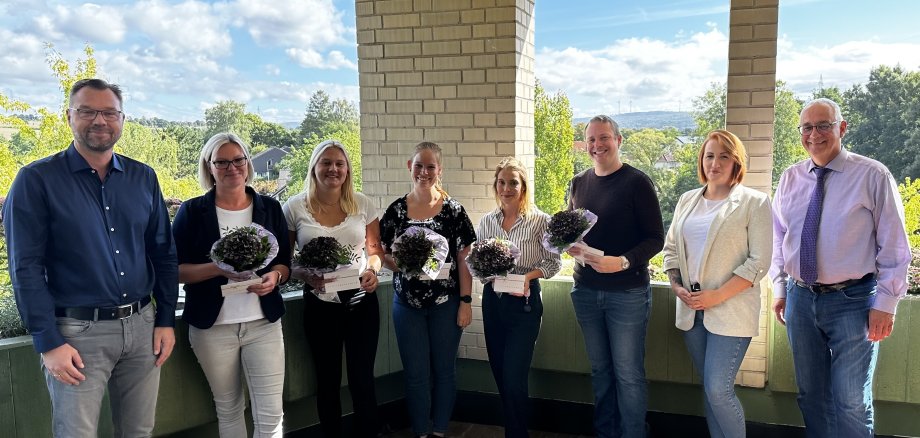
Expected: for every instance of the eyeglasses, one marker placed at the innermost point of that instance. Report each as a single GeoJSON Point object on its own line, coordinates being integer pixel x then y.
{"type": "Point", "coordinates": [822, 128]}
{"type": "Point", "coordinates": [225, 164]}
{"type": "Point", "coordinates": [90, 114]}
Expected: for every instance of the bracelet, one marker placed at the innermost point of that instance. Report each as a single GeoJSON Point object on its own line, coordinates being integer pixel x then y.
{"type": "Point", "coordinates": [280, 278]}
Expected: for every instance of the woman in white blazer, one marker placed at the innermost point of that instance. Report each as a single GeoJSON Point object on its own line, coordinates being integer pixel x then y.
{"type": "Point", "coordinates": [716, 253]}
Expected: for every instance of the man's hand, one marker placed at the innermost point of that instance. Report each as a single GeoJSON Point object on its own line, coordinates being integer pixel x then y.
{"type": "Point", "coordinates": [464, 314]}
{"type": "Point", "coordinates": [164, 339]}
{"type": "Point", "coordinates": [880, 324]}
{"type": "Point", "coordinates": [63, 363]}
{"type": "Point", "coordinates": [779, 310]}
{"type": "Point", "coordinates": [604, 264]}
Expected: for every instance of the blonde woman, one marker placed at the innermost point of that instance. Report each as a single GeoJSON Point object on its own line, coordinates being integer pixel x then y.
{"type": "Point", "coordinates": [716, 252]}
{"type": "Point", "coordinates": [512, 321]}
{"type": "Point", "coordinates": [329, 206]}
{"type": "Point", "coordinates": [429, 316]}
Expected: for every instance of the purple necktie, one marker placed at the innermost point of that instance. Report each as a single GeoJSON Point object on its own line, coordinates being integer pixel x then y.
{"type": "Point", "coordinates": [808, 259]}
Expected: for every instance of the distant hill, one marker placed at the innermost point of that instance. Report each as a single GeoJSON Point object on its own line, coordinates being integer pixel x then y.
{"type": "Point", "coordinates": [681, 120]}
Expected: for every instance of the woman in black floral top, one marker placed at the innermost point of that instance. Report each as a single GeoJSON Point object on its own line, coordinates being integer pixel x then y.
{"type": "Point", "coordinates": [429, 315]}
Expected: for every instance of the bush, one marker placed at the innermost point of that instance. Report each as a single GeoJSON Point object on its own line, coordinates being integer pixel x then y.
{"type": "Point", "coordinates": [10, 324]}
{"type": "Point", "coordinates": [913, 272]}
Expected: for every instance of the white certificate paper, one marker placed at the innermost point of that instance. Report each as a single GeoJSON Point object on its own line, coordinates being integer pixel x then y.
{"type": "Point", "coordinates": [511, 283]}
{"type": "Point", "coordinates": [343, 279]}
{"type": "Point", "coordinates": [588, 250]}
{"type": "Point", "coordinates": [443, 274]}
{"type": "Point", "coordinates": [238, 287]}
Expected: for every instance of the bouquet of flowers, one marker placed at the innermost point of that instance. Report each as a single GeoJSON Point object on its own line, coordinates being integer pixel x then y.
{"type": "Point", "coordinates": [420, 251]}
{"type": "Point", "coordinates": [566, 228]}
{"type": "Point", "coordinates": [492, 258]}
{"type": "Point", "coordinates": [324, 254]}
{"type": "Point", "coordinates": [244, 250]}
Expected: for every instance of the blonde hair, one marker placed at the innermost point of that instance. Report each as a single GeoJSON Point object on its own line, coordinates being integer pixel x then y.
{"type": "Point", "coordinates": [205, 178]}
{"type": "Point", "coordinates": [512, 164]}
{"type": "Point", "coordinates": [733, 145]}
{"type": "Point", "coordinates": [347, 201]}
{"type": "Point", "coordinates": [433, 147]}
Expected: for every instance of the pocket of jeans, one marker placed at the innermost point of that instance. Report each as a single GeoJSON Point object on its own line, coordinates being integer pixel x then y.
{"type": "Point", "coordinates": [149, 313]}
{"type": "Point", "coordinates": [74, 328]}
{"type": "Point", "coordinates": [860, 292]}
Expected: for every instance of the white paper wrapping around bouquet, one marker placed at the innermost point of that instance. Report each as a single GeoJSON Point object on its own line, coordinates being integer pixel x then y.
{"type": "Point", "coordinates": [342, 279]}
{"type": "Point", "coordinates": [511, 283]}
{"type": "Point", "coordinates": [589, 216]}
{"type": "Point", "coordinates": [515, 254]}
{"type": "Point", "coordinates": [432, 270]}
{"type": "Point", "coordinates": [261, 232]}
{"type": "Point", "coordinates": [442, 274]}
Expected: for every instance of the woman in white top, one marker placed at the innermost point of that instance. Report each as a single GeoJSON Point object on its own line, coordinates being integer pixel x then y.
{"type": "Point", "coordinates": [512, 321]}
{"type": "Point", "coordinates": [239, 334]}
{"type": "Point", "coordinates": [716, 253]}
{"type": "Point", "coordinates": [329, 206]}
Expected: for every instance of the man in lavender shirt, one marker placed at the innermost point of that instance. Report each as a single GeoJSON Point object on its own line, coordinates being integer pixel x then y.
{"type": "Point", "coordinates": [836, 320]}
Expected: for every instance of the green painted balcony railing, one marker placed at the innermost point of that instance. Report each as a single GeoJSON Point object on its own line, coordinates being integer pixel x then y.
{"type": "Point", "coordinates": [561, 372]}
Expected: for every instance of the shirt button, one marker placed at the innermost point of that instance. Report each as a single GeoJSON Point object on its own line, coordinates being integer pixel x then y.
{"type": "Point", "coordinates": [122, 273]}
{"type": "Point", "coordinates": [93, 171]}
{"type": "Point", "coordinates": [111, 229]}
{"type": "Point", "coordinates": [124, 295]}
{"type": "Point", "coordinates": [106, 207]}
{"type": "Point", "coordinates": [117, 252]}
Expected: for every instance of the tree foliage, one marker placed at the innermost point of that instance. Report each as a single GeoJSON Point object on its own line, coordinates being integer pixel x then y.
{"type": "Point", "coordinates": [228, 116]}
{"type": "Point", "coordinates": [322, 112]}
{"type": "Point", "coordinates": [884, 119]}
{"type": "Point", "coordinates": [553, 137]}
{"type": "Point", "coordinates": [787, 144]}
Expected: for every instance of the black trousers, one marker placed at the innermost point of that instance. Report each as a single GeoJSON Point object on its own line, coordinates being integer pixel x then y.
{"type": "Point", "coordinates": [329, 327]}
{"type": "Point", "coordinates": [511, 333]}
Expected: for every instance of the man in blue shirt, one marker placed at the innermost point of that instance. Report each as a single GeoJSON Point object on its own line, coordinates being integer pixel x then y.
{"type": "Point", "coordinates": [89, 245]}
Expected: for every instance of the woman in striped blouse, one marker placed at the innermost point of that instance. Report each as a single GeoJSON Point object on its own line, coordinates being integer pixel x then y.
{"type": "Point", "coordinates": [512, 321]}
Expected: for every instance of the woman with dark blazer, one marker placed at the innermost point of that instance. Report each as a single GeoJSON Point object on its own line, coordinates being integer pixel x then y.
{"type": "Point", "coordinates": [237, 335]}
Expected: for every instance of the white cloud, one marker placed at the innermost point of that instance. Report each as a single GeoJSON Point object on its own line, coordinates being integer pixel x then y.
{"type": "Point", "coordinates": [23, 58]}
{"type": "Point", "coordinates": [636, 74]}
{"type": "Point", "coordinates": [178, 29]}
{"type": "Point", "coordinates": [839, 65]}
{"type": "Point", "coordinates": [310, 58]}
{"type": "Point", "coordinates": [89, 22]}
{"type": "Point", "coordinates": [272, 70]}
{"type": "Point", "coordinates": [304, 24]}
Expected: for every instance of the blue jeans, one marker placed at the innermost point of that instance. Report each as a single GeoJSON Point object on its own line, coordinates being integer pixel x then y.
{"type": "Point", "coordinates": [614, 324]}
{"type": "Point", "coordinates": [718, 359]}
{"type": "Point", "coordinates": [117, 354]}
{"type": "Point", "coordinates": [834, 359]}
{"type": "Point", "coordinates": [428, 340]}
{"type": "Point", "coordinates": [510, 337]}
{"type": "Point", "coordinates": [229, 352]}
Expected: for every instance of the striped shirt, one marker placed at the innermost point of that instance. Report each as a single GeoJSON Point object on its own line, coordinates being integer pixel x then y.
{"type": "Point", "coordinates": [526, 233]}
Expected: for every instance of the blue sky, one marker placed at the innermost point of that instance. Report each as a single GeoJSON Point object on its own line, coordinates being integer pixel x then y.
{"type": "Point", "coordinates": [175, 58]}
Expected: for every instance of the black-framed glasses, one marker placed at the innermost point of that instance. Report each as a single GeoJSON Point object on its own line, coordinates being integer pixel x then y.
{"type": "Point", "coordinates": [90, 114]}
{"type": "Point", "coordinates": [821, 127]}
{"type": "Point", "coordinates": [225, 164]}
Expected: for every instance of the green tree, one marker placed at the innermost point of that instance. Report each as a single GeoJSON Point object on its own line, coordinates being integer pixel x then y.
{"type": "Point", "coordinates": [910, 195]}
{"type": "Point", "coordinates": [322, 111]}
{"type": "Point", "coordinates": [883, 120]}
{"type": "Point", "coordinates": [269, 135]}
{"type": "Point", "coordinates": [553, 137]}
{"type": "Point", "coordinates": [787, 144]}
{"type": "Point", "coordinates": [190, 140]}
{"type": "Point", "coordinates": [228, 116]}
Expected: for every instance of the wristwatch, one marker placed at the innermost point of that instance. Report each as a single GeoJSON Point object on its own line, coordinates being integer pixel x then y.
{"type": "Point", "coordinates": [625, 262]}
{"type": "Point", "coordinates": [466, 299]}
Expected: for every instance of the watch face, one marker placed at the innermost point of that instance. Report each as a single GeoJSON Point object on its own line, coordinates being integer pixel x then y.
{"type": "Point", "coordinates": [466, 298]}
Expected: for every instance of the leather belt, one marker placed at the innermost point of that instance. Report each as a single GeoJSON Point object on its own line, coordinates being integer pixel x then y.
{"type": "Point", "coordinates": [102, 313]}
{"type": "Point", "coordinates": [819, 288]}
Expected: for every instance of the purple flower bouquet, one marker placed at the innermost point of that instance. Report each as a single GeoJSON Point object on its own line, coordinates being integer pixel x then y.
{"type": "Point", "coordinates": [492, 258]}
{"type": "Point", "coordinates": [420, 251]}
{"type": "Point", "coordinates": [324, 254]}
{"type": "Point", "coordinates": [566, 228]}
{"type": "Point", "coordinates": [243, 251]}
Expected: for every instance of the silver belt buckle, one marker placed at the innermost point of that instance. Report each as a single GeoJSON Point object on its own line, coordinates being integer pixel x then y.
{"type": "Point", "coordinates": [130, 312]}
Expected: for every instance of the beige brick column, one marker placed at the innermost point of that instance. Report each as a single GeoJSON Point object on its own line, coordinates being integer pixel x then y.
{"type": "Point", "coordinates": [750, 115]}
{"type": "Point", "coordinates": [458, 73]}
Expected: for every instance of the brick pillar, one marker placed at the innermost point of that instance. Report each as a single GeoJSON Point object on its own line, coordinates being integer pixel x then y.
{"type": "Point", "coordinates": [750, 115]}
{"type": "Point", "coordinates": [458, 73]}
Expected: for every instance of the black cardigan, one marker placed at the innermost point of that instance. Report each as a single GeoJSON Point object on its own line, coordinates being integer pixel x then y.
{"type": "Point", "coordinates": [195, 230]}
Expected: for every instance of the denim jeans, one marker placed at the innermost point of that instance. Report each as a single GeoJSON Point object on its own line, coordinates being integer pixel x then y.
{"type": "Point", "coordinates": [614, 324]}
{"type": "Point", "coordinates": [834, 359]}
{"type": "Point", "coordinates": [718, 359]}
{"type": "Point", "coordinates": [227, 353]}
{"type": "Point", "coordinates": [117, 354]}
{"type": "Point", "coordinates": [428, 340]}
{"type": "Point", "coordinates": [329, 327]}
{"type": "Point", "coordinates": [510, 336]}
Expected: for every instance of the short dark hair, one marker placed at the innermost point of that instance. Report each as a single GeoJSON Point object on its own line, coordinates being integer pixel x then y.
{"type": "Point", "coordinates": [96, 84]}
